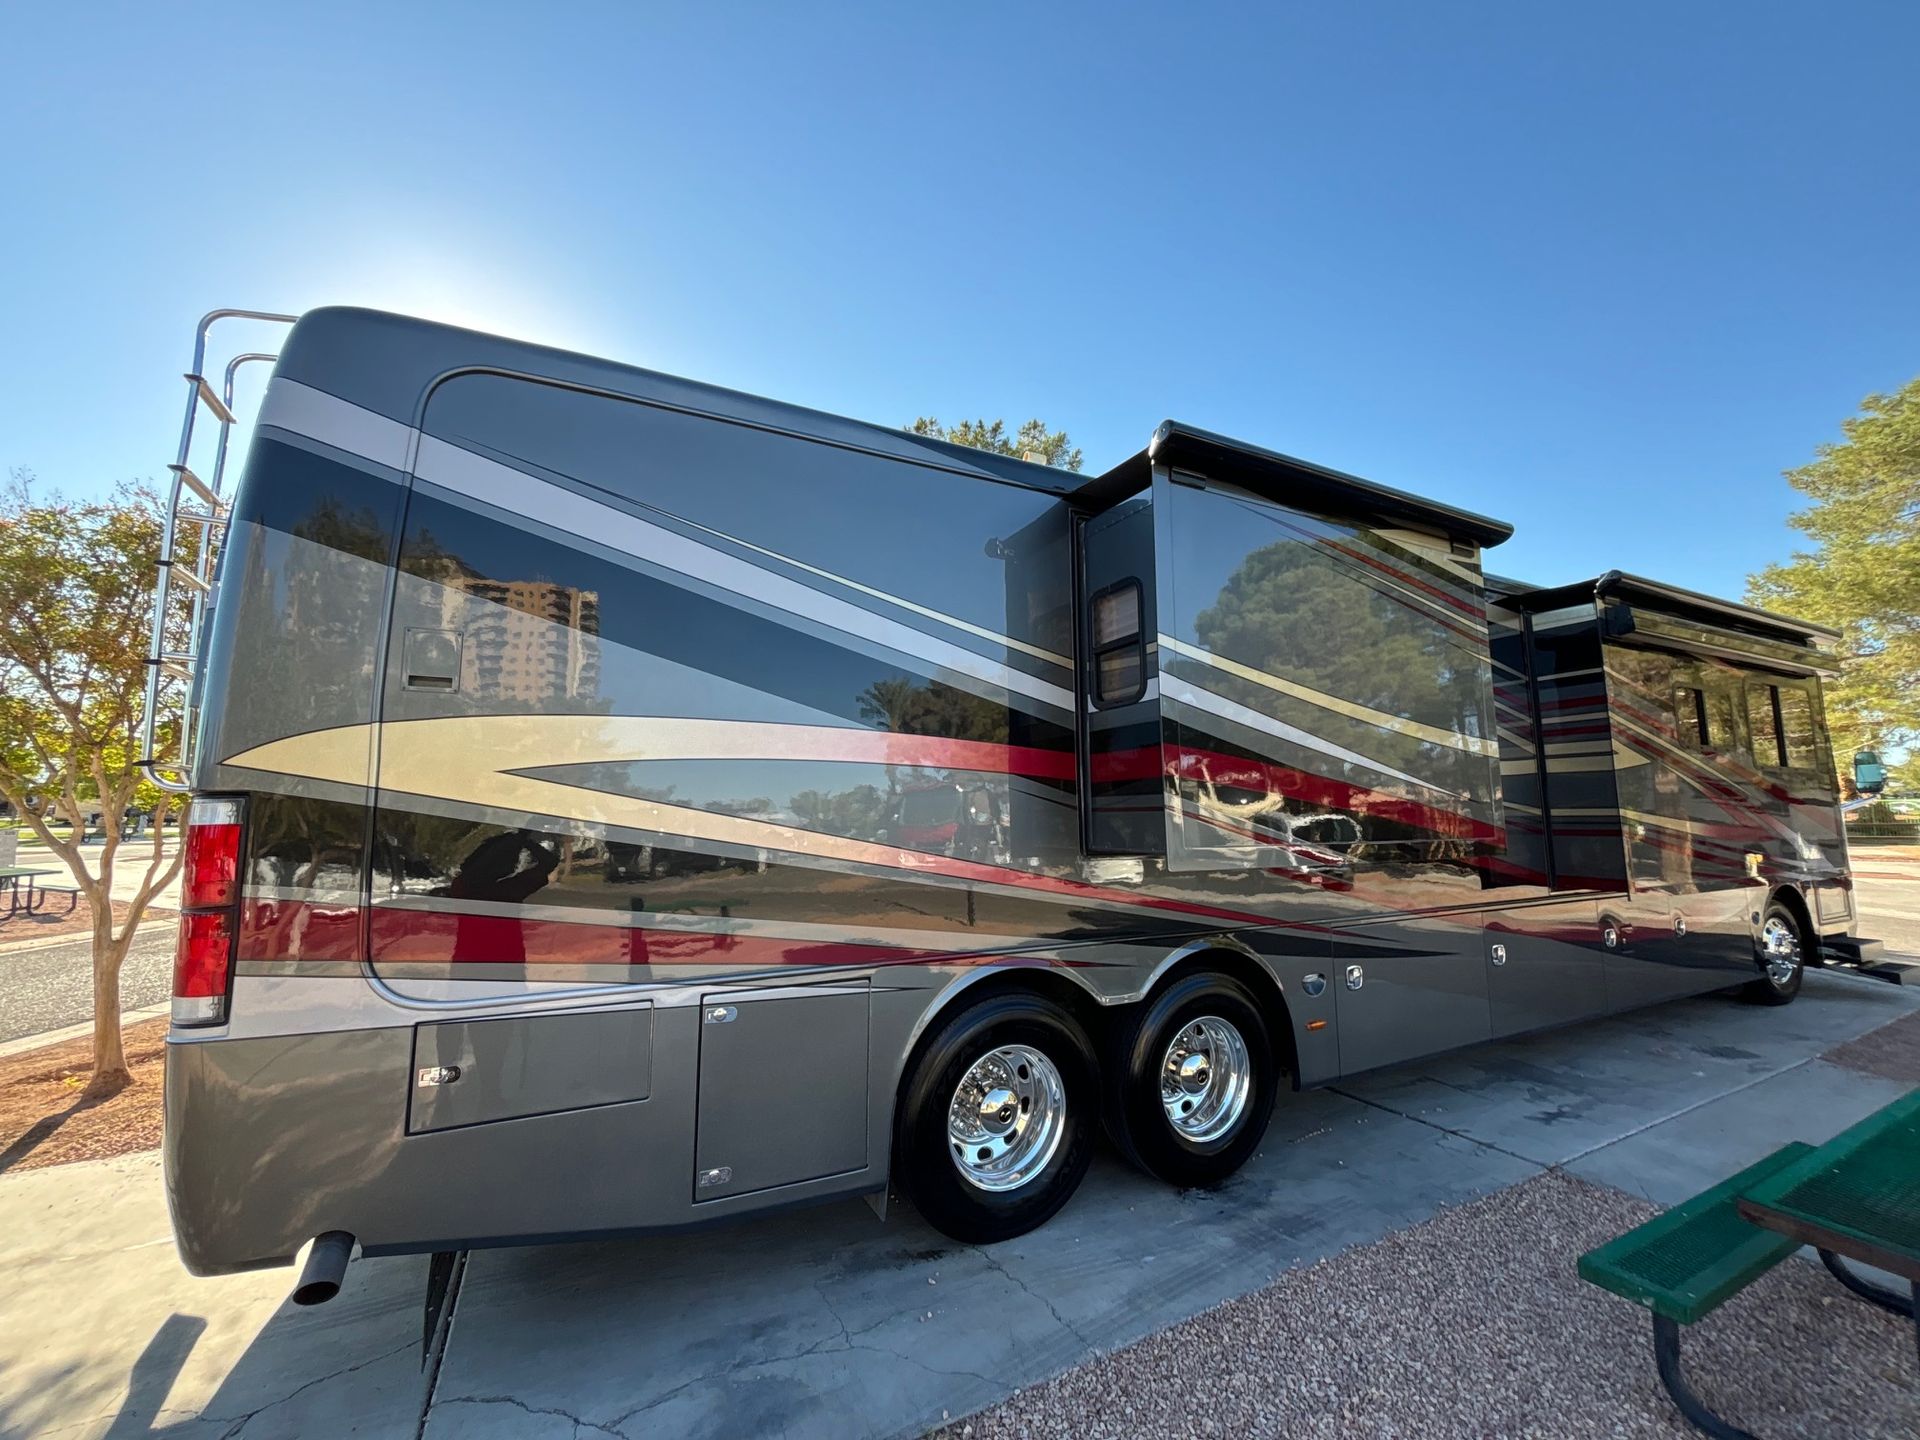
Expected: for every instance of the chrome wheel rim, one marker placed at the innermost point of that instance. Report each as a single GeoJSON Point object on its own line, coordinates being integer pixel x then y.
{"type": "Point", "coordinates": [1779, 950]}
{"type": "Point", "coordinates": [1206, 1078]}
{"type": "Point", "coordinates": [1006, 1118]}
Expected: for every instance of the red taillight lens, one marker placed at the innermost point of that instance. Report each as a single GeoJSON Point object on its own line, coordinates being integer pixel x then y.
{"type": "Point", "coordinates": [211, 873]}
{"type": "Point", "coordinates": [210, 905]}
{"type": "Point", "coordinates": [204, 956]}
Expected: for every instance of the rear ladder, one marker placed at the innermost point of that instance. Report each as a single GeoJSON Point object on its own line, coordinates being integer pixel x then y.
{"type": "Point", "coordinates": [173, 670]}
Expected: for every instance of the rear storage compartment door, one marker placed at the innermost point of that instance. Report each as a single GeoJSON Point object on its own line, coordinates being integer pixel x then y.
{"type": "Point", "coordinates": [783, 1087]}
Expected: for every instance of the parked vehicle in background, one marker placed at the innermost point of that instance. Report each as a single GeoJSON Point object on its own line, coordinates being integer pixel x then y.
{"type": "Point", "coordinates": [1869, 775]}
{"type": "Point", "coordinates": [621, 803]}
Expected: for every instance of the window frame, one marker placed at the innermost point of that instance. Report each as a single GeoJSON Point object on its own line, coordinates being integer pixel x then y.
{"type": "Point", "coordinates": [1137, 642]}
{"type": "Point", "coordinates": [1777, 758]}
{"type": "Point", "coordinates": [1695, 729]}
{"type": "Point", "coordinates": [1809, 760]}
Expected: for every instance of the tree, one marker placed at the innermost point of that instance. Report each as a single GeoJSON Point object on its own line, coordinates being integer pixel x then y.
{"type": "Point", "coordinates": [76, 587]}
{"type": "Point", "coordinates": [1033, 441]}
{"type": "Point", "coordinates": [1863, 576]}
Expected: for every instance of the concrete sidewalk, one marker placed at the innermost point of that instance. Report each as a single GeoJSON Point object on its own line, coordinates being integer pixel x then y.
{"type": "Point", "coordinates": [827, 1323]}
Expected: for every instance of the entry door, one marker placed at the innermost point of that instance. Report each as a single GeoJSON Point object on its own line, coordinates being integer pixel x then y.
{"type": "Point", "coordinates": [1408, 989]}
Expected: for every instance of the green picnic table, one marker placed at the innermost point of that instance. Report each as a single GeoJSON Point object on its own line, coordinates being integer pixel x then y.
{"type": "Point", "coordinates": [1857, 1197]}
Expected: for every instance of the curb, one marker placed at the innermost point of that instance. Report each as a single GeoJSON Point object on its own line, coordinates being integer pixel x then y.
{"type": "Point", "coordinates": [47, 942]}
{"type": "Point", "coordinates": [76, 1032]}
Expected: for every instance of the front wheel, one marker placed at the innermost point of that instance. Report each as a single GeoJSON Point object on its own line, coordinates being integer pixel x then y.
{"type": "Point", "coordinates": [1782, 953]}
{"type": "Point", "coordinates": [996, 1122]}
{"type": "Point", "coordinates": [1194, 1079]}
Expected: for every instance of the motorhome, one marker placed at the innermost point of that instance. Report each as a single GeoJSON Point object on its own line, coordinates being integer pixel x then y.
{"type": "Point", "coordinates": [619, 803]}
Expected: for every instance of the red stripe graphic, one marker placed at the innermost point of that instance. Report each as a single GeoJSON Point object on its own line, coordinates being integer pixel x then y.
{"type": "Point", "coordinates": [292, 929]}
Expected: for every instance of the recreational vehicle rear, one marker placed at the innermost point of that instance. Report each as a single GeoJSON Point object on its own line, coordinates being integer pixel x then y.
{"type": "Point", "coordinates": [620, 803]}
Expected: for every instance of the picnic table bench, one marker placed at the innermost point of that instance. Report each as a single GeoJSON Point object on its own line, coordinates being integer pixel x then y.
{"type": "Point", "coordinates": [36, 895]}
{"type": "Point", "coordinates": [1857, 1196]}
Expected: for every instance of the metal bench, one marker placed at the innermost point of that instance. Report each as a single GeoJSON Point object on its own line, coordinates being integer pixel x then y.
{"type": "Point", "coordinates": [36, 901]}
{"type": "Point", "coordinates": [1689, 1262]}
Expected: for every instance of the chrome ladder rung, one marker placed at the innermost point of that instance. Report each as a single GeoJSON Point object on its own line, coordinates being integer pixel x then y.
{"type": "Point", "coordinates": [172, 664]}
{"type": "Point", "coordinates": [183, 572]}
{"type": "Point", "coordinates": [202, 517]}
{"type": "Point", "coordinates": [194, 483]}
{"type": "Point", "coordinates": [211, 399]}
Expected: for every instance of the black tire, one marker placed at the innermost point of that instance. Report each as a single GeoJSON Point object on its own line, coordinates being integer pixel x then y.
{"type": "Point", "coordinates": [924, 1162]}
{"type": "Point", "coordinates": [1135, 1115]}
{"type": "Point", "coordinates": [1767, 990]}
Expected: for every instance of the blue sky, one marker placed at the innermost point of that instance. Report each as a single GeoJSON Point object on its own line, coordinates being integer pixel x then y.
{"type": "Point", "coordinates": [1603, 271]}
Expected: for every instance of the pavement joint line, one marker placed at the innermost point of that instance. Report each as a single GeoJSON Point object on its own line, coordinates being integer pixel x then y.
{"type": "Point", "coordinates": [1444, 1129]}
{"type": "Point", "coordinates": [1689, 1109]}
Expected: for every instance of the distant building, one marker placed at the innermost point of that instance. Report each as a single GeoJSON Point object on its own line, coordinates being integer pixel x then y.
{"type": "Point", "coordinates": [532, 641]}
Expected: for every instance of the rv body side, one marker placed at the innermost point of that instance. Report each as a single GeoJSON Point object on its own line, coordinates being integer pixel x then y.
{"type": "Point", "coordinates": [636, 773]}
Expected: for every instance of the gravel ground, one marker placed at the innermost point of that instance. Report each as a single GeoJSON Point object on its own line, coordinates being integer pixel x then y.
{"type": "Point", "coordinates": [46, 1120]}
{"type": "Point", "coordinates": [52, 985]}
{"type": "Point", "coordinates": [1892, 1051]}
{"type": "Point", "coordinates": [1475, 1325]}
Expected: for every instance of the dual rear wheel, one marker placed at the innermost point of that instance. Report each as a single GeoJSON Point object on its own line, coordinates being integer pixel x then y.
{"type": "Point", "coordinates": [999, 1114]}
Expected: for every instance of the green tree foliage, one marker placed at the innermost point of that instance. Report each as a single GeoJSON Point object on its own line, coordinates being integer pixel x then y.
{"type": "Point", "coordinates": [75, 585]}
{"type": "Point", "coordinates": [1033, 441]}
{"type": "Point", "coordinates": [1863, 575]}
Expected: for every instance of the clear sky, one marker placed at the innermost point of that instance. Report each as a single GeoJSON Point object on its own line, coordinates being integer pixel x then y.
{"type": "Point", "coordinates": [1600, 270]}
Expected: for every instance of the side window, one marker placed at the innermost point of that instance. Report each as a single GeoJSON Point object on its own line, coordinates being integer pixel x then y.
{"type": "Point", "coordinates": [1763, 720]}
{"type": "Point", "coordinates": [1797, 741]}
{"type": "Point", "coordinates": [1690, 714]}
{"type": "Point", "coordinates": [1721, 734]}
{"type": "Point", "coordinates": [1119, 646]}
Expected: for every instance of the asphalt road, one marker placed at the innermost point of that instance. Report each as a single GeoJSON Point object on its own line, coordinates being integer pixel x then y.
{"type": "Point", "coordinates": [52, 986]}
{"type": "Point", "coordinates": [1888, 889]}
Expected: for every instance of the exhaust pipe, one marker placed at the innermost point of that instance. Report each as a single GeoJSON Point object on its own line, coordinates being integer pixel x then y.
{"type": "Point", "coordinates": [326, 1265]}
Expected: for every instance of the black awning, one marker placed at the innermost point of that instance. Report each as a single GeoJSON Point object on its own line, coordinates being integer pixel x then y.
{"type": "Point", "coordinates": [1683, 604]}
{"type": "Point", "coordinates": [1299, 484]}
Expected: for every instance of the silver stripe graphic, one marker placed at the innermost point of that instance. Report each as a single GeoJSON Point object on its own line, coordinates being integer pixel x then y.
{"type": "Point", "coordinates": [515, 491]}
{"type": "Point", "coordinates": [1365, 714]}
{"type": "Point", "coordinates": [1213, 704]}
{"type": "Point", "coordinates": [289, 405]}
{"type": "Point", "coordinates": [303, 410]}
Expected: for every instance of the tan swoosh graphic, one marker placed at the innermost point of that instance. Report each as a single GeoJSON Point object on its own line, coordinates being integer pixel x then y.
{"type": "Point", "coordinates": [470, 759]}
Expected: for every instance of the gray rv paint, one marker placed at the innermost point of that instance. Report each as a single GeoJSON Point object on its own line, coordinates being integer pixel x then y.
{"type": "Point", "coordinates": [471, 1072]}
{"type": "Point", "coordinates": [293, 1119]}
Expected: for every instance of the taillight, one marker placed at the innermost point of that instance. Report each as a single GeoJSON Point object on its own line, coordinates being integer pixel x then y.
{"type": "Point", "coordinates": [210, 911]}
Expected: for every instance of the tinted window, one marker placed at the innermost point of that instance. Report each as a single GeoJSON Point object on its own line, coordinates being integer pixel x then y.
{"type": "Point", "coordinates": [1690, 716]}
{"type": "Point", "coordinates": [1797, 739]}
{"type": "Point", "coordinates": [1763, 721]}
{"type": "Point", "coordinates": [1119, 647]}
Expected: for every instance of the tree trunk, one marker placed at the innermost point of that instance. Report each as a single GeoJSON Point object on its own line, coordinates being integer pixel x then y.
{"type": "Point", "coordinates": [110, 1073]}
